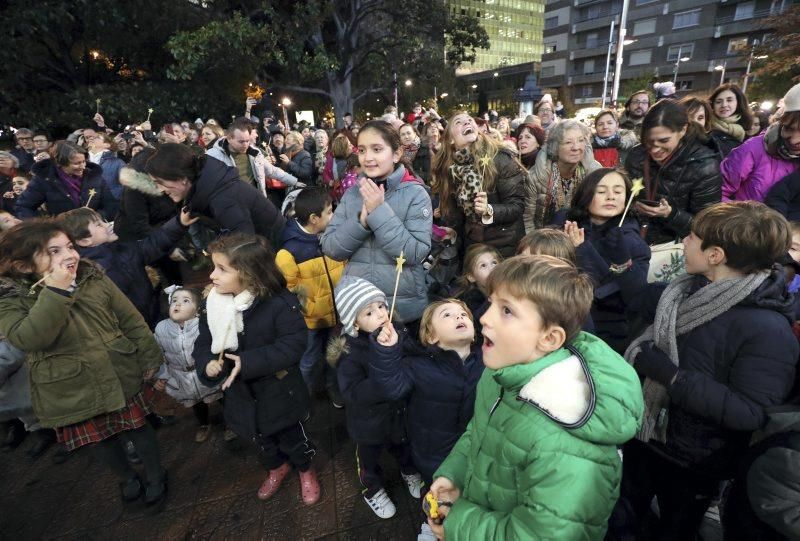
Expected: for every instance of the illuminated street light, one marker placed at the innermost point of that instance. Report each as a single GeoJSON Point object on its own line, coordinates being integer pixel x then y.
{"type": "Point", "coordinates": [409, 82]}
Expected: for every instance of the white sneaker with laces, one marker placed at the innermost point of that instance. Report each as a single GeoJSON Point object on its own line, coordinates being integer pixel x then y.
{"type": "Point", "coordinates": [414, 484]}
{"type": "Point", "coordinates": [381, 505]}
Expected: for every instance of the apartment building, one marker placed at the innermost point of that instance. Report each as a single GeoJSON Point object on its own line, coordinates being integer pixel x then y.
{"type": "Point", "coordinates": [702, 41]}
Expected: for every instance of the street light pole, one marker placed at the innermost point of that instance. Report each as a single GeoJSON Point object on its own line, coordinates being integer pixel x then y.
{"type": "Point", "coordinates": [608, 65]}
{"type": "Point", "coordinates": [623, 18]}
{"type": "Point", "coordinates": [394, 83]}
{"type": "Point", "coordinates": [722, 75]}
{"type": "Point", "coordinates": [677, 65]}
{"type": "Point", "coordinates": [749, 65]}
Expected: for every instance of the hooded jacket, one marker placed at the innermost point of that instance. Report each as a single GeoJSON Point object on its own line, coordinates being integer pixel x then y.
{"type": "Point", "coordinates": [440, 389]}
{"type": "Point", "coordinates": [750, 170]}
{"type": "Point", "coordinates": [311, 275]}
{"type": "Point", "coordinates": [87, 351]}
{"type": "Point", "coordinates": [690, 181]}
{"type": "Point", "coordinates": [235, 206]}
{"type": "Point", "coordinates": [784, 196]}
{"type": "Point", "coordinates": [538, 181]}
{"type": "Point", "coordinates": [46, 188]}
{"type": "Point", "coordinates": [539, 459]}
{"type": "Point", "coordinates": [259, 164]}
{"type": "Point", "coordinates": [403, 223]}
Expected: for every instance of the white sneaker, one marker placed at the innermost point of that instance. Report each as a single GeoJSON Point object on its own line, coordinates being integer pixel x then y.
{"type": "Point", "coordinates": [414, 484]}
{"type": "Point", "coordinates": [381, 505]}
{"type": "Point", "coordinates": [425, 533]}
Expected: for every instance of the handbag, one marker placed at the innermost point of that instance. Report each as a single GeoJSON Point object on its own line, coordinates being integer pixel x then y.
{"type": "Point", "coordinates": [666, 262]}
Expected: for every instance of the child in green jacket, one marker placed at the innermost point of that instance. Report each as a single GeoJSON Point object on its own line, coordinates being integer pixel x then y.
{"type": "Point", "coordinates": [539, 460]}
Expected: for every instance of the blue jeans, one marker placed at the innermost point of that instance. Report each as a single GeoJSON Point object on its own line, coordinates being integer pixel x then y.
{"type": "Point", "coordinates": [313, 361]}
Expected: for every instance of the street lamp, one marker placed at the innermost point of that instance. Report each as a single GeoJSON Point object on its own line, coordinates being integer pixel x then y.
{"type": "Point", "coordinates": [286, 102]}
{"type": "Point", "coordinates": [443, 95]}
{"type": "Point", "coordinates": [767, 105]}
{"type": "Point", "coordinates": [623, 18]}
{"type": "Point", "coordinates": [495, 74]}
{"type": "Point", "coordinates": [750, 63]}
{"type": "Point", "coordinates": [409, 82]}
{"type": "Point", "coordinates": [721, 68]}
{"type": "Point", "coordinates": [608, 60]}
{"type": "Point", "coordinates": [678, 64]}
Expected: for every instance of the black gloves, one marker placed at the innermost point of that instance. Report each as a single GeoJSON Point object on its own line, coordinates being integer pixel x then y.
{"type": "Point", "coordinates": [655, 364]}
{"type": "Point", "coordinates": [616, 247]}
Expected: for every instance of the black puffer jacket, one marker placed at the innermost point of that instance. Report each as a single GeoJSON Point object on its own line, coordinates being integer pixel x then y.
{"type": "Point", "coordinates": [140, 214]}
{"type": "Point", "coordinates": [46, 188]}
{"type": "Point", "coordinates": [372, 419]}
{"type": "Point", "coordinates": [507, 199]}
{"type": "Point", "coordinates": [690, 181]}
{"type": "Point", "coordinates": [235, 206]}
{"type": "Point", "coordinates": [724, 143]}
{"type": "Point", "coordinates": [269, 393]}
{"type": "Point", "coordinates": [302, 166]}
{"type": "Point", "coordinates": [730, 370]}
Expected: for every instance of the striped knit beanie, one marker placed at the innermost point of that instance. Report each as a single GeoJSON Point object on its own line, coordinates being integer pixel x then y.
{"type": "Point", "coordinates": [352, 294]}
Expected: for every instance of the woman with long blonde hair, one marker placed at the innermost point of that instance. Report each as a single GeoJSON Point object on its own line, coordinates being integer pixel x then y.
{"type": "Point", "coordinates": [480, 184]}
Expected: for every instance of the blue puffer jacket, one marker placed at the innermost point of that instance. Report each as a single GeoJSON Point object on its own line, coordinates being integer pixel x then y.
{"type": "Point", "coordinates": [401, 224]}
{"type": "Point", "coordinates": [46, 187]}
{"type": "Point", "coordinates": [372, 419]}
{"type": "Point", "coordinates": [441, 395]}
{"type": "Point", "coordinates": [111, 166]}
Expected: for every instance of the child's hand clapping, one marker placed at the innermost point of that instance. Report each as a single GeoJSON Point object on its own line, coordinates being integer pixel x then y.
{"type": "Point", "coordinates": [575, 233]}
{"type": "Point", "coordinates": [388, 336]}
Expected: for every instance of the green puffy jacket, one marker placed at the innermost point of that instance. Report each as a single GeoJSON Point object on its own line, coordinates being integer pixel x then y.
{"type": "Point", "coordinates": [539, 459]}
{"type": "Point", "coordinates": [86, 352]}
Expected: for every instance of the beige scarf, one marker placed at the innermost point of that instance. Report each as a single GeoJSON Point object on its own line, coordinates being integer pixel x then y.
{"type": "Point", "coordinates": [730, 126]}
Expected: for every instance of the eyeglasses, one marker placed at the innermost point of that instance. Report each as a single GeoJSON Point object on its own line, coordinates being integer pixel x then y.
{"type": "Point", "coordinates": [640, 102]}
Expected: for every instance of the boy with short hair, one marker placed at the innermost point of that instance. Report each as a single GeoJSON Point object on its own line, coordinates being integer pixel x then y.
{"type": "Point", "coordinates": [539, 459]}
{"type": "Point", "coordinates": [313, 277]}
{"type": "Point", "coordinates": [719, 353]}
{"type": "Point", "coordinates": [124, 262]}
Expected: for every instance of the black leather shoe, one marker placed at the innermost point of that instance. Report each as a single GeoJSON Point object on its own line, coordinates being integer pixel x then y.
{"type": "Point", "coordinates": [15, 435]}
{"type": "Point", "coordinates": [131, 489]}
{"type": "Point", "coordinates": [155, 492]}
{"type": "Point", "coordinates": [44, 439]}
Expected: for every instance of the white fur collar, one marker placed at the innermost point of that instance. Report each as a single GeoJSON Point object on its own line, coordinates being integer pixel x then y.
{"type": "Point", "coordinates": [562, 391]}
{"type": "Point", "coordinates": [225, 318]}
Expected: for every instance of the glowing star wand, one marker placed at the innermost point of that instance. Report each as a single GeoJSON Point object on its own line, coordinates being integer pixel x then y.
{"type": "Point", "coordinates": [97, 104]}
{"type": "Point", "coordinates": [636, 187]}
{"type": "Point", "coordinates": [149, 112]}
{"type": "Point", "coordinates": [92, 193]}
{"type": "Point", "coordinates": [399, 269]}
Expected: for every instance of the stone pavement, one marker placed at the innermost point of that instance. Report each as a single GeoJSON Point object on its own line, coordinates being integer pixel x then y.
{"type": "Point", "coordinates": [212, 494]}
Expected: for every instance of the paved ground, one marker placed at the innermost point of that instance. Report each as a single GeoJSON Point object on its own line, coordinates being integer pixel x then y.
{"type": "Point", "coordinates": [212, 494]}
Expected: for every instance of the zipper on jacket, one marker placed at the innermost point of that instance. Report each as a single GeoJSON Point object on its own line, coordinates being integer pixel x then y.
{"type": "Point", "coordinates": [497, 402]}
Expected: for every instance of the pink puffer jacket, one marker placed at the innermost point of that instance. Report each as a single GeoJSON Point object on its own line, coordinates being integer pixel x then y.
{"type": "Point", "coordinates": [750, 170]}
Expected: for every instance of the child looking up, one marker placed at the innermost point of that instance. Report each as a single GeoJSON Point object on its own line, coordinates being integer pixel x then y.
{"type": "Point", "coordinates": [539, 459]}
{"type": "Point", "coordinates": [438, 374]}
{"type": "Point", "coordinates": [124, 262]}
{"type": "Point", "coordinates": [177, 377]}
{"type": "Point", "coordinates": [312, 276]}
{"type": "Point", "coordinates": [479, 260]}
{"type": "Point", "coordinates": [373, 422]}
{"type": "Point", "coordinates": [389, 214]}
{"type": "Point", "coordinates": [252, 336]}
{"type": "Point", "coordinates": [88, 351]}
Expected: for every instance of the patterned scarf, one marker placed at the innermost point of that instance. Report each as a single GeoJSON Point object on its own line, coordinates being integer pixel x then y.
{"type": "Point", "coordinates": [559, 193]}
{"type": "Point", "coordinates": [467, 181]}
{"type": "Point", "coordinates": [730, 126]}
{"type": "Point", "coordinates": [679, 311]}
{"type": "Point", "coordinates": [607, 142]}
{"type": "Point", "coordinates": [320, 157]}
{"type": "Point", "coordinates": [410, 151]}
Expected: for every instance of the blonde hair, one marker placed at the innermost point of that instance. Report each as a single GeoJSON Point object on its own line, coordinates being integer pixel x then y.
{"type": "Point", "coordinates": [561, 293]}
{"type": "Point", "coordinates": [294, 138]}
{"type": "Point", "coordinates": [470, 258]}
{"type": "Point", "coordinates": [552, 242]}
{"type": "Point", "coordinates": [483, 147]}
{"type": "Point", "coordinates": [795, 228]}
{"type": "Point", "coordinates": [426, 323]}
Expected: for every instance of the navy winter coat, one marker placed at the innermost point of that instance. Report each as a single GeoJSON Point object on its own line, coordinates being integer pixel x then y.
{"type": "Point", "coordinates": [784, 196]}
{"type": "Point", "coordinates": [235, 206]}
{"type": "Point", "coordinates": [269, 394]}
{"type": "Point", "coordinates": [440, 388]}
{"type": "Point", "coordinates": [46, 187]}
{"type": "Point", "coordinates": [140, 214]}
{"type": "Point", "coordinates": [124, 263]}
{"type": "Point", "coordinates": [612, 291]}
{"type": "Point", "coordinates": [730, 370]}
{"type": "Point", "coordinates": [371, 418]}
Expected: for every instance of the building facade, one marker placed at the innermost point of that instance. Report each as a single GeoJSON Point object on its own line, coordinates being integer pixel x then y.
{"type": "Point", "coordinates": [514, 28]}
{"type": "Point", "coordinates": [696, 43]}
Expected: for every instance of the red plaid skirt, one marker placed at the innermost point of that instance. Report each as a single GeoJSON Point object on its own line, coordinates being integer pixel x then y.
{"type": "Point", "coordinates": [105, 425]}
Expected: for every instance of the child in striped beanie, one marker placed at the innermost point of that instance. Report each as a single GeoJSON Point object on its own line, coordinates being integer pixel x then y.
{"type": "Point", "coordinates": [353, 295]}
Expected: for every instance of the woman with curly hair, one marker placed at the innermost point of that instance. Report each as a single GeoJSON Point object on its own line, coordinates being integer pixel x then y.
{"type": "Point", "coordinates": [480, 184]}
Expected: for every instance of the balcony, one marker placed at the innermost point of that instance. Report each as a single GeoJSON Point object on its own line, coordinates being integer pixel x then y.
{"type": "Point", "coordinates": [729, 25]}
{"type": "Point", "coordinates": [598, 14]}
{"type": "Point", "coordinates": [600, 48]}
{"type": "Point", "coordinates": [580, 78]}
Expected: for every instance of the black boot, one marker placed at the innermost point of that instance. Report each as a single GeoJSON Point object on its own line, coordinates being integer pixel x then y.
{"type": "Point", "coordinates": [15, 434]}
{"type": "Point", "coordinates": [44, 439]}
{"type": "Point", "coordinates": [130, 452]}
{"type": "Point", "coordinates": [155, 491]}
{"type": "Point", "coordinates": [131, 488]}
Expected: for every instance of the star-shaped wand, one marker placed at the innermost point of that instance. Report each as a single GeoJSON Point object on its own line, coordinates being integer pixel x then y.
{"type": "Point", "coordinates": [398, 269]}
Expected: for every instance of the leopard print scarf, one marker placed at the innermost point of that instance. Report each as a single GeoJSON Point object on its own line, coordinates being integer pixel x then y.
{"type": "Point", "coordinates": [467, 181]}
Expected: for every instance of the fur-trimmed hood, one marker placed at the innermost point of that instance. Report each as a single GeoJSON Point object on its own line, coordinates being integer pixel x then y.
{"type": "Point", "coordinates": [141, 182]}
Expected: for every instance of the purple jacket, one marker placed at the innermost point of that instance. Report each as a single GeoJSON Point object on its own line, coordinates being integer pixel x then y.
{"type": "Point", "coordinates": [750, 171]}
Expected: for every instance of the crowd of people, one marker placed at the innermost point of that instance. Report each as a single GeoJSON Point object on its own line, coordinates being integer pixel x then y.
{"type": "Point", "coordinates": [557, 329]}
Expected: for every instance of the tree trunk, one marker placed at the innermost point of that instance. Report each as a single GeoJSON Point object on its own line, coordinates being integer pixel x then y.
{"type": "Point", "coordinates": [341, 96]}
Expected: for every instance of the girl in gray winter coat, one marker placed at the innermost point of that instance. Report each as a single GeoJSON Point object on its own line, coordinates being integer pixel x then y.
{"type": "Point", "coordinates": [388, 215]}
{"type": "Point", "coordinates": [177, 376]}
